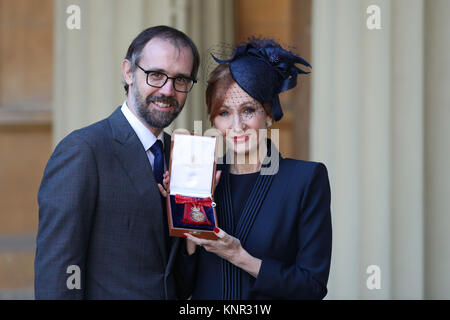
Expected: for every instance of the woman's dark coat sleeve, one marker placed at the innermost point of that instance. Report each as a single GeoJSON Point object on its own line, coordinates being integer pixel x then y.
{"type": "Point", "coordinates": [308, 276]}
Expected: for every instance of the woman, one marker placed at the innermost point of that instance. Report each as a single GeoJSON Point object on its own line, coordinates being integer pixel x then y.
{"type": "Point", "coordinates": [274, 213]}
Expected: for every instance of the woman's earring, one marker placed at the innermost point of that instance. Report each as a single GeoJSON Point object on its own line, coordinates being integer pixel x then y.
{"type": "Point", "coordinates": [268, 123]}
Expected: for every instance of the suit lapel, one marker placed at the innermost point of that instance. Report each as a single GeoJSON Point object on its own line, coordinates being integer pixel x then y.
{"type": "Point", "coordinates": [131, 154]}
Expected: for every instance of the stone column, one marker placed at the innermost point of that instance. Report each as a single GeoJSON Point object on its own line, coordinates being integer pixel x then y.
{"type": "Point", "coordinates": [335, 131]}
{"type": "Point", "coordinates": [407, 150]}
{"type": "Point", "coordinates": [437, 149]}
{"type": "Point", "coordinates": [361, 89]}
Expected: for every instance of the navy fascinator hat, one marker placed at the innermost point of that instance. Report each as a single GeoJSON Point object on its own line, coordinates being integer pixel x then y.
{"type": "Point", "coordinates": [263, 69]}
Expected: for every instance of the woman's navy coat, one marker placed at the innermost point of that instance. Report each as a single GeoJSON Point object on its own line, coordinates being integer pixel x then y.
{"type": "Point", "coordinates": [287, 224]}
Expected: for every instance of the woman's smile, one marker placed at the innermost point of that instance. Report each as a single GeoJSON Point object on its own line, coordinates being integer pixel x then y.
{"type": "Point", "coordinates": [238, 139]}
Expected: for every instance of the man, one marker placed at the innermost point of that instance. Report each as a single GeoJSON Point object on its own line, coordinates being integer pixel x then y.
{"type": "Point", "coordinates": [102, 227]}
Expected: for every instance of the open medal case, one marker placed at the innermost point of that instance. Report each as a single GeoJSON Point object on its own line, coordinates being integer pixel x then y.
{"type": "Point", "coordinates": [192, 169]}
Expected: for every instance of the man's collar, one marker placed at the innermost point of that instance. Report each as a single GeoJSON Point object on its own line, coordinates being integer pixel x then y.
{"type": "Point", "coordinates": [146, 137]}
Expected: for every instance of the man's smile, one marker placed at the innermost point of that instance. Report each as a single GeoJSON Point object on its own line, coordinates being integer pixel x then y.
{"type": "Point", "coordinates": [162, 106]}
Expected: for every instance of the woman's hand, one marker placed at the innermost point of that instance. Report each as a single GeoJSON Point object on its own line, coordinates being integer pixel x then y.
{"type": "Point", "coordinates": [226, 246]}
{"type": "Point", "coordinates": [229, 248]}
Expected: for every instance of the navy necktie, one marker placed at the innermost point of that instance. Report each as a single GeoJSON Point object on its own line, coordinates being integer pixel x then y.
{"type": "Point", "coordinates": [158, 170]}
{"type": "Point", "coordinates": [158, 164]}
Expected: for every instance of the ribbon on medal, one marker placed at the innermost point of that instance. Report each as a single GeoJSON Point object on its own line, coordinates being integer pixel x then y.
{"type": "Point", "coordinates": [194, 213]}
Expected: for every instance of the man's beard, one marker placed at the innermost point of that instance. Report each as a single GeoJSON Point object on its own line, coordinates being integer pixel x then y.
{"type": "Point", "coordinates": [153, 117]}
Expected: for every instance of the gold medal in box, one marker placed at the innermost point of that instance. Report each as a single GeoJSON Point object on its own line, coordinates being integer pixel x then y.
{"type": "Point", "coordinates": [190, 204]}
{"type": "Point", "coordinates": [198, 216]}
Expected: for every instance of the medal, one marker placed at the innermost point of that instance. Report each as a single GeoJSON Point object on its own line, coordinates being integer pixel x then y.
{"type": "Point", "coordinates": [197, 215]}
{"type": "Point", "coordinates": [194, 212]}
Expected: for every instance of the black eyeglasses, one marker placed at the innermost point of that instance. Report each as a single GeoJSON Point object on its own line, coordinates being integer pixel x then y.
{"type": "Point", "coordinates": [158, 79]}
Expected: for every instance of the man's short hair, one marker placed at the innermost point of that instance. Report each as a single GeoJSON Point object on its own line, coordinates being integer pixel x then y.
{"type": "Point", "coordinates": [173, 35]}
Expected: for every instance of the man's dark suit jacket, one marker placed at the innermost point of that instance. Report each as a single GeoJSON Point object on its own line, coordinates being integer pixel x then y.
{"type": "Point", "coordinates": [100, 209]}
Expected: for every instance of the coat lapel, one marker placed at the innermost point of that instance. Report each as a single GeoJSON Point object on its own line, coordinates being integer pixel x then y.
{"type": "Point", "coordinates": [252, 206]}
{"type": "Point", "coordinates": [130, 152]}
{"type": "Point", "coordinates": [231, 274]}
{"type": "Point", "coordinates": [254, 201]}
{"type": "Point", "coordinates": [223, 198]}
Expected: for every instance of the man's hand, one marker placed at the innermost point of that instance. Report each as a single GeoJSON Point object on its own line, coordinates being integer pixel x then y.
{"type": "Point", "coordinates": [164, 190]}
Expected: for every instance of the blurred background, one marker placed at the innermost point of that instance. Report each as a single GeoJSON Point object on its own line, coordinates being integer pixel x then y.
{"type": "Point", "coordinates": [375, 110]}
